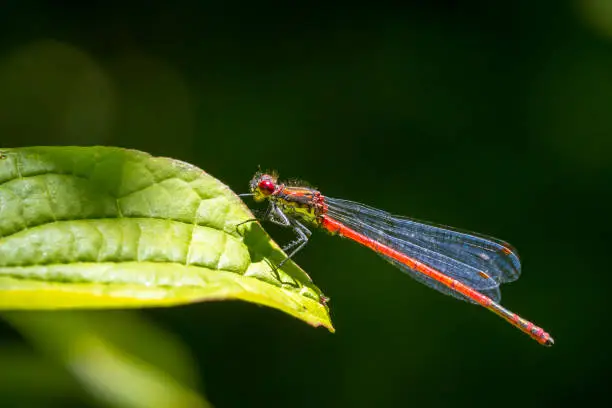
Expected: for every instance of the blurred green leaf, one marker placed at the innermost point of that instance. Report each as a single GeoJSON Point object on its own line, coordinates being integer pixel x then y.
{"type": "Point", "coordinates": [101, 227]}
{"type": "Point", "coordinates": [33, 377]}
{"type": "Point", "coordinates": [97, 349]}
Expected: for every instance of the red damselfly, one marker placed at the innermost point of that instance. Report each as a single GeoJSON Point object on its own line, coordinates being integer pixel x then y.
{"type": "Point", "coordinates": [462, 264]}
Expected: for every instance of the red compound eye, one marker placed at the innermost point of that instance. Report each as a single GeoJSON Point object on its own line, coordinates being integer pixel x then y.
{"type": "Point", "coordinates": [267, 187]}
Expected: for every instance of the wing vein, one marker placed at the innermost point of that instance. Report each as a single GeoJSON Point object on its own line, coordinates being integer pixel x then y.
{"type": "Point", "coordinates": [476, 260]}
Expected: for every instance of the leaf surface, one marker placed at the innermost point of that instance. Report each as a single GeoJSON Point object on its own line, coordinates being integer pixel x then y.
{"type": "Point", "coordinates": [103, 227]}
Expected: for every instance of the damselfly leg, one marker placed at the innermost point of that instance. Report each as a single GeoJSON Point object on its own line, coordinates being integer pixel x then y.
{"type": "Point", "coordinates": [278, 217]}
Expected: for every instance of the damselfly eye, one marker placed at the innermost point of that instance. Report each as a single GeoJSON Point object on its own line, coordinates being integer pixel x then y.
{"type": "Point", "coordinates": [267, 187]}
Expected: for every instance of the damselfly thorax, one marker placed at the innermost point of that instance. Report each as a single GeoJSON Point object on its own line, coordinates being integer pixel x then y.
{"type": "Point", "coordinates": [304, 203]}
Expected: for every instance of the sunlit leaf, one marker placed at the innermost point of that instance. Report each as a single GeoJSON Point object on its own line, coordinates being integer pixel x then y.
{"type": "Point", "coordinates": [100, 227]}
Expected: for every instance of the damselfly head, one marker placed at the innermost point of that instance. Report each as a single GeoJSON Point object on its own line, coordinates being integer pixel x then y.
{"type": "Point", "coordinates": [263, 185]}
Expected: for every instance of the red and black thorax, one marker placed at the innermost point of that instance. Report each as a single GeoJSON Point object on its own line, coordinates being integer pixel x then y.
{"type": "Point", "coordinates": [300, 202]}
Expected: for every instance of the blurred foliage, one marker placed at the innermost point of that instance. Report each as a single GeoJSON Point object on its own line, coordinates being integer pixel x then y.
{"type": "Point", "coordinates": [99, 350]}
{"type": "Point", "coordinates": [488, 117]}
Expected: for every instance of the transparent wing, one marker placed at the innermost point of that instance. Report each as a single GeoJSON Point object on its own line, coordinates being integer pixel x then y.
{"type": "Point", "coordinates": [481, 262]}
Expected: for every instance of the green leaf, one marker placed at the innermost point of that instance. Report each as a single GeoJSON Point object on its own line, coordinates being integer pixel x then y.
{"type": "Point", "coordinates": [32, 377]}
{"type": "Point", "coordinates": [105, 354]}
{"type": "Point", "coordinates": [102, 227]}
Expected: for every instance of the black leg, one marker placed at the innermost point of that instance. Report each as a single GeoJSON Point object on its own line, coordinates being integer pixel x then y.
{"type": "Point", "coordinates": [275, 215]}
{"type": "Point", "coordinates": [303, 234]}
{"type": "Point", "coordinates": [259, 214]}
{"type": "Point", "coordinates": [242, 223]}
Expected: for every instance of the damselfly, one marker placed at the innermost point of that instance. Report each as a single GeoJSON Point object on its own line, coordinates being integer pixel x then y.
{"type": "Point", "coordinates": [462, 264]}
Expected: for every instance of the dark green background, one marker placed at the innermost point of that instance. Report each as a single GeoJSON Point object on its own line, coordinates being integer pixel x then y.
{"type": "Point", "coordinates": [489, 116]}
